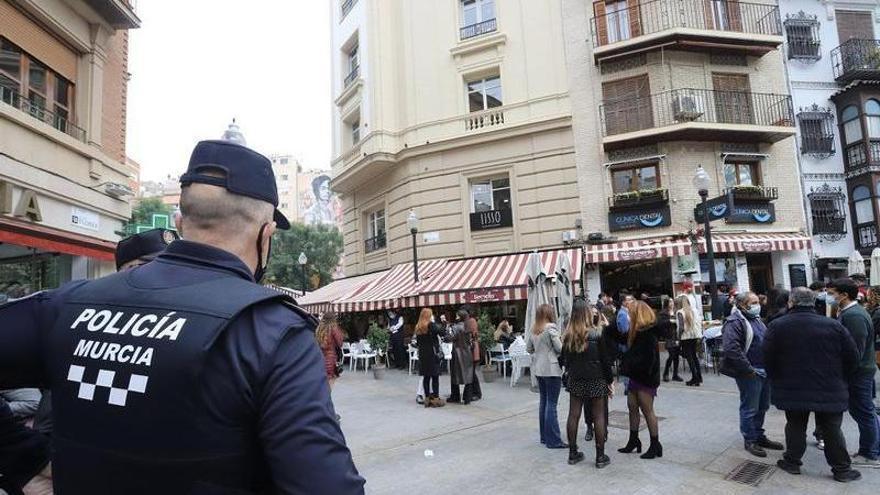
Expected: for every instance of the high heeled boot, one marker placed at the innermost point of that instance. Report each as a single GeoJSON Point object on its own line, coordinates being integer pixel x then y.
{"type": "Point", "coordinates": [654, 450]}
{"type": "Point", "coordinates": [633, 444]}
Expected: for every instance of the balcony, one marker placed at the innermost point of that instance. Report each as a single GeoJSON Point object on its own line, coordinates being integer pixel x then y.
{"type": "Point", "coordinates": [374, 243]}
{"type": "Point", "coordinates": [477, 29]}
{"type": "Point", "coordinates": [861, 158]}
{"type": "Point", "coordinates": [11, 97]}
{"type": "Point", "coordinates": [697, 115]}
{"type": "Point", "coordinates": [634, 199]}
{"type": "Point", "coordinates": [118, 13]}
{"type": "Point", "coordinates": [698, 25]}
{"type": "Point", "coordinates": [856, 59]}
{"type": "Point", "coordinates": [753, 193]}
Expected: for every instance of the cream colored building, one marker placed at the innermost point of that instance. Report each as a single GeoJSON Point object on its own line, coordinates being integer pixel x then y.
{"type": "Point", "coordinates": [460, 111]}
{"type": "Point", "coordinates": [658, 88]}
{"type": "Point", "coordinates": [64, 180]}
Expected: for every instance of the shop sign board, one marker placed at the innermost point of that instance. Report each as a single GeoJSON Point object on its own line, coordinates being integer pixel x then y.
{"type": "Point", "coordinates": [484, 295]}
{"type": "Point", "coordinates": [28, 204]}
{"type": "Point", "coordinates": [638, 254]}
{"type": "Point", "coordinates": [85, 219]}
{"type": "Point", "coordinates": [719, 207]}
{"type": "Point", "coordinates": [492, 219]}
{"type": "Point", "coordinates": [798, 275]}
{"type": "Point", "coordinates": [757, 246]}
{"type": "Point", "coordinates": [645, 218]}
{"type": "Point", "coordinates": [752, 213]}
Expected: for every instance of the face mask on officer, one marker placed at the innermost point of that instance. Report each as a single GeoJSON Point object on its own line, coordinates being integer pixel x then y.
{"type": "Point", "coordinates": [264, 250]}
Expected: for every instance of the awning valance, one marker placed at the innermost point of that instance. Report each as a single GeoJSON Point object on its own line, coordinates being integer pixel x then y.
{"type": "Point", "coordinates": [639, 249]}
{"type": "Point", "coordinates": [388, 290]}
{"type": "Point", "coordinates": [321, 299]}
{"type": "Point", "coordinates": [757, 242]}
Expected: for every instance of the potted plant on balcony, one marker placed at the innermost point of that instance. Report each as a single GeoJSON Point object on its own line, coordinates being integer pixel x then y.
{"type": "Point", "coordinates": [748, 192]}
{"type": "Point", "coordinates": [486, 333]}
{"type": "Point", "coordinates": [378, 338]}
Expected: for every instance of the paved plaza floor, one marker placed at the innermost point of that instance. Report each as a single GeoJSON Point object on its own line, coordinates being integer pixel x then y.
{"type": "Point", "coordinates": [491, 446]}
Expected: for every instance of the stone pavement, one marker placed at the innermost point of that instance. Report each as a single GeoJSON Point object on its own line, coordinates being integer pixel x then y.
{"type": "Point", "coordinates": [491, 446]}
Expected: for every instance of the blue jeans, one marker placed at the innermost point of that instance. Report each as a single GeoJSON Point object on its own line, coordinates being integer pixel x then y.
{"type": "Point", "coordinates": [861, 408]}
{"type": "Point", "coordinates": [754, 400]}
{"type": "Point", "coordinates": [548, 387]}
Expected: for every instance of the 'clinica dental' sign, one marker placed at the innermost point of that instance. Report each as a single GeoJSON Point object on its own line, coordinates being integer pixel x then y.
{"type": "Point", "coordinates": [752, 213]}
{"type": "Point", "coordinates": [645, 218]}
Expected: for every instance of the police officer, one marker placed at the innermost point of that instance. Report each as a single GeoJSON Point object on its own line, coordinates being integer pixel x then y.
{"type": "Point", "coordinates": [183, 375]}
{"type": "Point", "coordinates": [137, 249]}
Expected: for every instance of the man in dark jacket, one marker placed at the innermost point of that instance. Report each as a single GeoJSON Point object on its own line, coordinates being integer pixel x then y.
{"type": "Point", "coordinates": [743, 338]}
{"type": "Point", "coordinates": [843, 294]}
{"type": "Point", "coordinates": [810, 360]}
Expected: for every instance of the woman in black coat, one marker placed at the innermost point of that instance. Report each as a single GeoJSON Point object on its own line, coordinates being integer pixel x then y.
{"type": "Point", "coordinates": [428, 334]}
{"type": "Point", "coordinates": [641, 364]}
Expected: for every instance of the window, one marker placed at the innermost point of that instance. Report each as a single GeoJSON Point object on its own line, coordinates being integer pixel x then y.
{"type": "Point", "coordinates": [284, 177]}
{"type": "Point", "coordinates": [356, 132]}
{"type": "Point", "coordinates": [827, 206]}
{"type": "Point", "coordinates": [741, 174]}
{"type": "Point", "coordinates": [283, 206]}
{"type": "Point", "coordinates": [863, 205]}
{"type": "Point", "coordinates": [10, 67]}
{"type": "Point", "coordinates": [284, 161]}
{"type": "Point", "coordinates": [872, 118]}
{"type": "Point", "coordinates": [641, 178]}
{"type": "Point", "coordinates": [852, 126]}
{"type": "Point", "coordinates": [375, 231]}
{"type": "Point", "coordinates": [490, 195]}
{"type": "Point", "coordinates": [484, 94]}
{"type": "Point", "coordinates": [817, 131]}
{"type": "Point", "coordinates": [617, 19]}
{"type": "Point", "coordinates": [853, 24]}
{"type": "Point", "coordinates": [347, 5]}
{"type": "Point", "coordinates": [477, 11]}
{"type": "Point", "coordinates": [353, 67]}
{"type": "Point", "coordinates": [802, 33]}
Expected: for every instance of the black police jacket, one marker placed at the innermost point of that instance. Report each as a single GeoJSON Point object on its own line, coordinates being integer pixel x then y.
{"type": "Point", "coordinates": [181, 376]}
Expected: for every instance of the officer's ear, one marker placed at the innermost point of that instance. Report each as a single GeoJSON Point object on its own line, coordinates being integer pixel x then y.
{"type": "Point", "coordinates": [269, 230]}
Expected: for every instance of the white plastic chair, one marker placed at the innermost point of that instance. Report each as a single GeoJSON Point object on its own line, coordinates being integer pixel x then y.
{"type": "Point", "coordinates": [413, 357]}
{"type": "Point", "coordinates": [346, 352]}
{"type": "Point", "coordinates": [363, 351]}
{"type": "Point", "coordinates": [447, 354]}
{"type": "Point", "coordinates": [519, 359]}
{"type": "Point", "coordinates": [501, 357]}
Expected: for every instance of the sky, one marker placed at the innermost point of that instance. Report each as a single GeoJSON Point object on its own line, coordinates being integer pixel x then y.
{"type": "Point", "coordinates": [196, 64]}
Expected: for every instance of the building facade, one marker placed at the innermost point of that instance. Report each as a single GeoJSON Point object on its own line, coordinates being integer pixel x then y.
{"type": "Point", "coordinates": [64, 176]}
{"type": "Point", "coordinates": [459, 111]}
{"type": "Point", "coordinates": [658, 88]}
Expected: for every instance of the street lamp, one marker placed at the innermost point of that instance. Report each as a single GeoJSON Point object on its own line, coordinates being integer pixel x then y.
{"type": "Point", "coordinates": [701, 183]}
{"type": "Point", "coordinates": [302, 265]}
{"type": "Point", "coordinates": [413, 223]}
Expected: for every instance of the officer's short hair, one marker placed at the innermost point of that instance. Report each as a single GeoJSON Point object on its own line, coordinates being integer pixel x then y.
{"type": "Point", "coordinates": [802, 296]}
{"type": "Point", "coordinates": [210, 208]}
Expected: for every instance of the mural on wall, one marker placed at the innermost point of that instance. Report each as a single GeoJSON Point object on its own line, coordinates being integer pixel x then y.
{"type": "Point", "coordinates": [319, 205]}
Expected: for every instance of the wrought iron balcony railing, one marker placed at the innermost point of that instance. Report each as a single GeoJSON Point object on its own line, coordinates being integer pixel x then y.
{"type": "Point", "coordinates": [374, 243]}
{"type": "Point", "coordinates": [656, 16]}
{"type": "Point", "coordinates": [679, 106]}
{"type": "Point", "coordinates": [477, 29]}
{"type": "Point", "coordinates": [856, 59]}
{"type": "Point", "coordinates": [754, 193]}
{"type": "Point", "coordinates": [11, 97]}
{"type": "Point", "coordinates": [638, 198]}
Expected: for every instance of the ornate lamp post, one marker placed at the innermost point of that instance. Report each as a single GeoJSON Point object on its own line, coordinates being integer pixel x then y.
{"type": "Point", "coordinates": [302, 265]}
{"type": "Point", "coordinates": [702, 182]}
{"type": "Point", "coordinates": [413, 223]}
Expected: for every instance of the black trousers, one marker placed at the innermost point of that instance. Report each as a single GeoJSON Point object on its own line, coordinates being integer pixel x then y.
{"type": "Point", "coordinates": [398, 350]}
{"type": "Point", "coordinates": [476, 390]}
{"type": "Point", "coordinates": [689, 351]}
{"type": "Point", "coordinates": [835, 444]}
{"type": "Point", "coordinates": [434, 389]}
{"type": "Point", "coordinates": [455, 396]}
{"type": "Point", "coordinates": [672, 361]}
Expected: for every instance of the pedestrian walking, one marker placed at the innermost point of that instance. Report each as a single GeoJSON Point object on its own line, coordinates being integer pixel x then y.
{"type": "Point", "coordinates": [809, 361]}
{"type": "Point", "coordinates": [329, 337]}
{"type": "Point", "coordinates": [185, 374]}
{"type": "Point", "coordinates": [462, 366]}
{"type": "Point", "coordinates": [398, 349]}
{"type": "Point", "coordinates": [428, 334]}
{"type": "Point", "coordinates": [667, 321]}
{"type": "Point", "coordinates": [843, 293]}
{"type": "Point", "coordinates": [743, 339]}
{"type": "Point", "coordinates": [691, 337]}
{"type": "Point", "coordinates": [476, 354]}
{"type": "Point", "coordinates": [641, 364]}
{"type": "Point", "coordinates": [545, 345]}
{"type": "Point", "coordinates": [589, 379]}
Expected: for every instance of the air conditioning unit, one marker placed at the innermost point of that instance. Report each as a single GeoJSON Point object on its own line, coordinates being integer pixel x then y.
{"type": "Point", "coordinates": [687, 106]}
{"type": "Point", "coordinates": [117, 190]}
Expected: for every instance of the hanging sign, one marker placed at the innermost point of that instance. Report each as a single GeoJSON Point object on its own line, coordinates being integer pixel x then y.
{"type": "Point", "coordinates": [646, 218]}
{"type": "Point", "coordinates": [752, 213]}
{"type": "Point", "coordinates": [719, 207]}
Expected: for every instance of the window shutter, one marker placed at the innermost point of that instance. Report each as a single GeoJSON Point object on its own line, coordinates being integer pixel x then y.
{"type": "Point", "coordinates": [600, 22]}
{"type": "Point", "coordinates": [734, 16]}
{"type": "Point", "coordinates": [635, 24]}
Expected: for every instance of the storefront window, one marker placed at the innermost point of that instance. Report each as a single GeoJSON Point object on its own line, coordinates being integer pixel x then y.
{"type": "Point", "coordinates": [22, 275]}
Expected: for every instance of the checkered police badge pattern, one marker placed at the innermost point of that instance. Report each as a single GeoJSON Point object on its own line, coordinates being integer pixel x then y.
{"type": "Point", "coordinates": [118, 396]}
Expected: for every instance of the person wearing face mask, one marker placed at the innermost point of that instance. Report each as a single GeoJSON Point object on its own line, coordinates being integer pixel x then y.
{"type": "Point", "coordinates": [743, 338]}
{"type": "Point", "coordinates": [185, 375]}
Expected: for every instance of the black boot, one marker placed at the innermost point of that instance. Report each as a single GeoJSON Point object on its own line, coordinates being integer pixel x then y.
{"type": "Point", "coordinates": [602, 460]}
{"type": "Point", "coordinates": [633, 444]}
{"type": "Point", "coordinates": [574, 456]}
{"type": "Point", "coordinates": [654, 450]}
{"type": "Point", "coordinates": [677, 378]}
{"type": "Point", "coordinates": [589, 436]}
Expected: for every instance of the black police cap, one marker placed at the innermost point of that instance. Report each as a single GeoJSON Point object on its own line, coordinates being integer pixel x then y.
{"type": "Point", "coordinates": [144, 246]}
{"type": "Point", "coordinates": [247, 172]}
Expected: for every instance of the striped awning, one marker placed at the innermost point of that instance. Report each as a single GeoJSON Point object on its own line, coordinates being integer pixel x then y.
{"type": "Point", "coordinates": [320, 300]}
{"type": "Point", "coordinates": [488, 279]}
{"type": "Point", "coordinates": [757, 242]}
{"type": "Point", "coordinates": [639, 249]}
{"type": "Point", "coordinates": [391, 289]}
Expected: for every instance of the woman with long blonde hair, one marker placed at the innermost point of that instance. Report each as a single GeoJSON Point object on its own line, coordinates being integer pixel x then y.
{"type": "Point", "coordinates": [545, 346]}
{"type": "Point", "coordinates": [641, 364]}
{"type": "Point", "coordinates": [329, 337]}
{"type": "Point", "coordinates": [691, 332]}
{"type": "Point", "coordinates": [590, 379]}
{"type": "Point", "coordinates": [428, 334]}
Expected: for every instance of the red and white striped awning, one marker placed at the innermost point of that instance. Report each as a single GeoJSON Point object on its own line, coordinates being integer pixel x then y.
{"type": "Point", "coordinates": [320, 300]}
{"type": "Point", "coordinates": [639, 249]}
{"type": "Point", "coordinates": [488, 279]}
{"type": "Point", "coordinates": [391, 289]}
{"type": "Point", "coordinates": [757, 242]}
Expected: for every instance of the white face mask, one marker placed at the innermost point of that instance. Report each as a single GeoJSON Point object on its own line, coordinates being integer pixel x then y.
{"type": "Point", "coordinates": [432, 319]}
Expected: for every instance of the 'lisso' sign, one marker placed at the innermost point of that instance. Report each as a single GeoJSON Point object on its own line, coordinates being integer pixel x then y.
{"type": "Point", "coordinates": [492, 219]}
